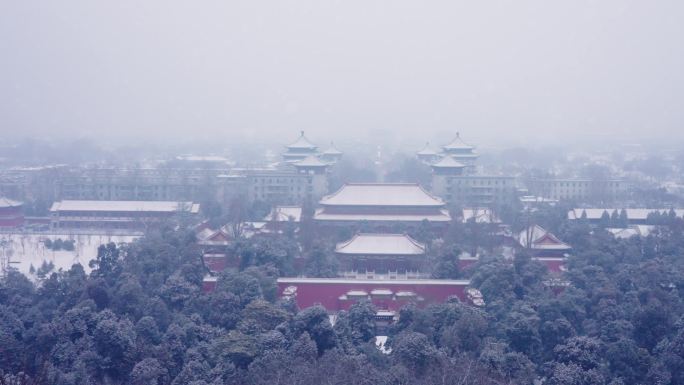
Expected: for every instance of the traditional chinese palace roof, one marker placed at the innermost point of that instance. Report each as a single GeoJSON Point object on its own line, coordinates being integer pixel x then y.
{"type": "Point", "coordinates": [458, 145]}
{"type": "Point", "coordinates": [209, 237]}
{"type": "Point", "coordinates": [302, 143]}
{"type": "Point", "coordinates": [285, 214]}
{"type": "Point", "coordinates": [441, 216]}
{"type": "Point", "coordinates": [448, 162]}
{"type": "Point", "coordinates": [332, 150]}
{"type": "Point", "coordinates": [382, 195]}
{"type": "Point", "coordinates": [537, 238]}
{"type": "Point", "coordinates": [125, 206]}
{"type": "Point", "coordinates": [427, 150]}
{"type": "Point", "coordinates": [310, 161]}
{"type": "Point", "coordinates": [381, 244]}
{"type": "Point", "coordinates": [381, 202]}
{"type": "Point", "coordinates": [479, 215]}
{"type": "Point", "coordinates": [7, 203]}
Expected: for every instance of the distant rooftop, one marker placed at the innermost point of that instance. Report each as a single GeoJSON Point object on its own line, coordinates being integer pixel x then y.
{"type": "Point", "coordinates": [208, 237]}
{"type": "Point", "coordinates": [381, 244]}
{"type": "Point", "coordinates": [125, 206]}
{"type": "Point", "coordinates": [427, 150]}
{"type": "Point", "coordinates": [332, 150]}
{"type": "Point", "coordinates": [302, 143]}
{"type": "Point", "coordinates": [285, 214]}
{"type": "Point", "coordinates": [440, 216]}
{"type": "Point", "coordinates": [458, 144]}
{"type": "Point", "coordinates": [538, 238]}
{"type": "Point", "coordinates": [382, 194]}
{"type": "Point", "coordinates": [201, 158]}
{"type": "Point", "coordinates": [479, 215]}
{"type": "Point", "coordinates": [448, 162]}
{"type": "Point", "coordinates": [631, 231]}
{"type": "Point", "coordinates": [6, 202]}
{"type": "Point", "coordinates": [310, 161]}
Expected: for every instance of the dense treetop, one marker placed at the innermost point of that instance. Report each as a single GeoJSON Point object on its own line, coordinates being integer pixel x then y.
{"type": "Point", "coordinates": [140, 318]}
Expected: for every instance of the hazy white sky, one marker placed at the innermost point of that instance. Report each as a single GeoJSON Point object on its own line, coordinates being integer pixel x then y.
{"type": "Point", "coordinates": [506, 71]}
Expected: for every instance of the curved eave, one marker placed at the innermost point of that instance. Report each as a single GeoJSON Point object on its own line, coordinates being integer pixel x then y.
{"type": "Point", "coordinates": [435, 205]}
{"type": "Point", "coordinates": [381, 254]}
{"type": "Point", "coordinates": [332, 151]}
{"type": "Point", "coordinates": [459, 165]}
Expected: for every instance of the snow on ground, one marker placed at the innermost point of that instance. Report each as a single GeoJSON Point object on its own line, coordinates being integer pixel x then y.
{"type": "Point", "coordinates": [26, 250]}
{"type": "Point", "coordinates": [380, 342]}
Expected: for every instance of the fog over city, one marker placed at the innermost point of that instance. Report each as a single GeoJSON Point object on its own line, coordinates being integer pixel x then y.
{"type": "Point", "coordinates": [506, 73]}
{"type": "Point", "coordinates": [386, 192]}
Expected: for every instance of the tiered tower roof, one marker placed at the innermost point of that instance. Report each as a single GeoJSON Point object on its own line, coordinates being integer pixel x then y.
{"type": "Point", "coordinates": [427, 150]}
{"type": "Point", "coordinates": [310, 161]}
{"type": "Point", "coordinates": [302, 143]}
{"type": "Point", "coordinates": [332, 150]}
{"type": "Point", "coordinates": [448, 162]}
{"type": "Point", "coordinates": [458, 145]}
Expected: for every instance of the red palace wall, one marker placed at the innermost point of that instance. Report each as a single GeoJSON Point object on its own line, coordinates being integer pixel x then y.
{"type": "Point", "coordinates": [555, 265]}
{"type": "Point", "coordinates": [11, 217]}
{"type": "Point", "coordinates": [328, 292]}
{"type": "Point", "coordinates": [208, 285]}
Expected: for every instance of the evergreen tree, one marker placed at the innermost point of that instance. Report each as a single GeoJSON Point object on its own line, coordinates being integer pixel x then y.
{"type": "Point", "coordinates": [605, 221]}
{"type": "Point", "coordinates": [623, 219]}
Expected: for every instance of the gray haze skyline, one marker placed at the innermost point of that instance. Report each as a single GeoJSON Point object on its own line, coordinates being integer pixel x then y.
{"type": "Point", "coordinates": [501, 72]}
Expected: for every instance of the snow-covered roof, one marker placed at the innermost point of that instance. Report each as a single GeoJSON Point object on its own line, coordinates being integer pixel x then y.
{"type": "Point", "coordinates": [205, 233]}
{"type": "Point", "coordinates": [381, 244]}
{"type": "Point", "coordinates": [540, 239]}
{"type": "Point", "coordinates": [458, 144]}
{"type": "Point", "coordinates": [448, 162]}
{"type": "Point", "coordinates": [536, 199]}
{"type": "Point", "coordinates": [631, 231]}
{"type": "Point", "coordinates": [632, 214]}
{"type": "Point", "coordinates": [210, 278]}
{"type": "Point", "coordinates": [332, 150]}
{"type": "Point", "coordinates": [427, 150]}
{"type": "Point", "coordinates": [440, 216]}
{"type": "Point", "coordinates": [125, 206]}
{"type": "Point", "coordinates": [480, 215]}
{"type": "Point", "coordinates": [310, 161]}
{"type": "Point", "coordinates": [6, 202]}
{"type": "Point", "coordinates": [465, 156]}
{"type": "Point", "coordinates": [203, 158]}
{"type": "Point", "coordinates": [302, 143]}
{"type": "Point", "coordinates": [382, 194]}
{"type": "Point", "coordinates": [209, 237]}
{"type": "Point", "coordinates": [230, 176]}
{"type": "Point", "coordinates": [257, 225]}
{"type": "Point", "coordinates": [285, 214]}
